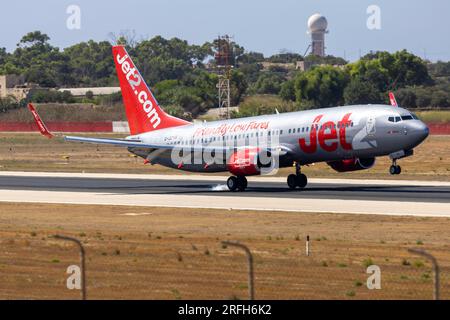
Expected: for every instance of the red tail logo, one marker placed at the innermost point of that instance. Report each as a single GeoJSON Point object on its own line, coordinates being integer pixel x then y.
{"type": "Point", "coordinates": [143, 112]}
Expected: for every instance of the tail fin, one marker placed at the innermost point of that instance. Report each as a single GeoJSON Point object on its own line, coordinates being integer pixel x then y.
{"type": "Point", "coordinates": [142, 110]}
{"type": "Point", "coordinates": [392, 99]}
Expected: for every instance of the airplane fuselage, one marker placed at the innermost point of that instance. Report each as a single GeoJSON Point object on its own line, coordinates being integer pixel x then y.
{"type": "Point", "coordinates": [328, 134]}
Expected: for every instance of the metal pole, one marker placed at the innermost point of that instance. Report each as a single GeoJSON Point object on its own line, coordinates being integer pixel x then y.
{"type": "Point", "coordinates": [307, 246]}
{"type": "Point", "coordinates": [433, 260]}
{"type": "Point", "coordinates": [251, 288]}
{"type": "Point", "coordinates": [82, 261]}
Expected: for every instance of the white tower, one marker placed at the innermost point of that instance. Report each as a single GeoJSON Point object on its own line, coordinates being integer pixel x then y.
{"type": "Point", "coordinates": [317, 27]}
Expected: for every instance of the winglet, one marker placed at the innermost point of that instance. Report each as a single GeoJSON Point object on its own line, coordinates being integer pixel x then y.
{"type": "Point", "coordinates": [42, 128]}
{"type": "Point", "coordinates": [392, 99]}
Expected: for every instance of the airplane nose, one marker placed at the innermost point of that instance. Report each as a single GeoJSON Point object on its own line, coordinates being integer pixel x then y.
{"type": "Point", "coordinates": [420, 131]}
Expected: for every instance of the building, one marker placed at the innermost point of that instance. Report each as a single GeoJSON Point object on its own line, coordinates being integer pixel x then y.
{"type": "Point", "coordinates": [13, 85]}
{"type": "Point", "coordinates": [96, 91]}
{"type": "Point", "coordinates": [317, 27]}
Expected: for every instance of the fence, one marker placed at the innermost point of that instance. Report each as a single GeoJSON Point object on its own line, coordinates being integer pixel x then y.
{"type": "Point", "coordinates": [189, 268]}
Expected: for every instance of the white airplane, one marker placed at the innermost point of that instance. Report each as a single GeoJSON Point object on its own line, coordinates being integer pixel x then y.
{"type": "Point", "coordinates": [347, 138]}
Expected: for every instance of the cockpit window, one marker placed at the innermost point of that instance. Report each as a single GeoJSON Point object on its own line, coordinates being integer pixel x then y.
{"type": "Point", "coordinates": [408, 117]}
{"type": "Point", "coordinates": [415, 117]}
{"type": "Point", "coordinates": [394, 119]}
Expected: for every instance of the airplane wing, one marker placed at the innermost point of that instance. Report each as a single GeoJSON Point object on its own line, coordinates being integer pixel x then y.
{"type": "Point", "coordinates": [135, 143]}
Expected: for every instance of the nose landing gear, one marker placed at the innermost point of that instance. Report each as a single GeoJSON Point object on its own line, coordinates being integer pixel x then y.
{"type": "Point", "coordinates": [395, 168]}
{"type": "Point", "coordinates": [297, 180]}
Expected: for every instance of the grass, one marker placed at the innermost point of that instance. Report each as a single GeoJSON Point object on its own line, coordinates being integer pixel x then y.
{"type": "Point", "coordinates": [150, 269]}
{"type": "Point", "coordinates": [367, 262]}
{"type": "Point", "coordinates": [435, 116]}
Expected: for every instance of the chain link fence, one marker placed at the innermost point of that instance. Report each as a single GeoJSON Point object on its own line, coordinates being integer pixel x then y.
{"type": "Point", "coordinates": [189, 268]}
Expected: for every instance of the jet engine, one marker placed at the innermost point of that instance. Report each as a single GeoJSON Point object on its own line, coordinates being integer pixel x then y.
{"type": "Point", "coordinates": [353, 164]}
{"type": "Point", "coordinates": [249, 161]}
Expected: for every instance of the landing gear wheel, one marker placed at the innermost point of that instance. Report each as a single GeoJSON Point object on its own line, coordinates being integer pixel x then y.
{"type": "Point", "coordinates": [395, 169]}
{"type": "Point", "coordinates": [292, 181]}
{"type": "Point", "coordinates": [297, 180]}
{"type": "Point", "coordinates": [302, 180]}
{"type": "Point", "coordinates": [232, 183]}
{"type": "Point", "coordinates": [242, 183]}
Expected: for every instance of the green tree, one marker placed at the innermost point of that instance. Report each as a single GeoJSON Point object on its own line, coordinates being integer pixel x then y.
{"type": "Point", "coordinates": [268, 83]}
{"type": "Point", "coordinates": [406, 98]}
{"type": "Point", "coordinates": [38, 60]}
{"type": "Point", "coordinates": [322, 86]}
{"type": "Point", "coordinates": [361, 92]}
{"type": "Point", "coordinates": [287, 91]}
{"type": "Point", "coordinates": [90, 64]}
{"type": "Point", "coordinates": [386, 70]}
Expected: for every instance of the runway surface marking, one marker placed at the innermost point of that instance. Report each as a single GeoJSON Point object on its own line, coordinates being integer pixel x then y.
{"type": "Point", "coordinates": [424, 209]}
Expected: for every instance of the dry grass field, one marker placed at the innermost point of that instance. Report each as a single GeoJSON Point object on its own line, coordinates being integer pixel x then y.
{"type": "Point", "coordinates": [166, 253]}
{"type": "Point", "coordinates": [32, 152]}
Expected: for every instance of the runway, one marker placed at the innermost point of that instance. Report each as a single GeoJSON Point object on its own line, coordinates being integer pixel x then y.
{"type": "Point", "coordinates": [264, 193]}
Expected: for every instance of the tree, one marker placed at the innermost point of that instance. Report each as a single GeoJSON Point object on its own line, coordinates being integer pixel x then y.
{"type": "Point", "coordinates": [322, 86]}
{"type": "Point", "coordinates": [361, 92]}
{"type": "Point", "coordinates": [329, 59]}
{"type": "Point", "coordinates": [268, 83]}
{"type": "Point", "coordinates": [386, 70]}
{"type": "Point", "coordinates": [440, 99]}
{"type": "Point", "coordinates": [287, 91]}
{"type": "Point", "coordinates": [286, 57]}
{"type": "Point", "coordinates": [90, 64]}
{"type": "Point", "coordinates": [3, 56]}
{"type": "Point", "coordinates": [34, 38]}
{"type": "Point", "coordinates": [39, 61]}
{"type": "Point", "coordinates": [406, 98]}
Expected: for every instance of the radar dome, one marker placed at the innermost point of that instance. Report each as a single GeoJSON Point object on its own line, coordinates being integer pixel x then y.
{"type": "Point", "coordinates": [317, 22]}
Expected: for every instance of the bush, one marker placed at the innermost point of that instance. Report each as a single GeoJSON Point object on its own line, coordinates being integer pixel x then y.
{"type": "Point", "coordinates": [45, 96]}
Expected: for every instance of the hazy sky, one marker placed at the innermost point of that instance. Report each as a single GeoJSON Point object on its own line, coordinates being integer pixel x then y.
{"type": "Point", "coordinates": [265, 26]}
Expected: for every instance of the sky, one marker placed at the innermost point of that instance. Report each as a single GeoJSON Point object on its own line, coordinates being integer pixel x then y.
{"type": "Point", "coordinates": [270, 27]}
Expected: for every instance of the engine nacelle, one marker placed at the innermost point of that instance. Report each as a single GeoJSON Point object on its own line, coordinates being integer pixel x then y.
{"type": "Point", "coordinates": [354, 164]}
{"type": "Point", "coordinates": [248, 162]}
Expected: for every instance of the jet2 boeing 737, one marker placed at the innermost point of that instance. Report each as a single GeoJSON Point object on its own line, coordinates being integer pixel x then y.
{"type": "Point", "coordinates": [347, 138]}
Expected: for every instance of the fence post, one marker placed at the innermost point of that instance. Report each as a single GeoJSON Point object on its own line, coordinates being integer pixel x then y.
{"type": "Point", "coordinates": [82, 261]}
{"type": "Point", "coordinates": [307, 246]}
{"type": "Point", "coordinates": [433, 260]}
{"type": "Point", "coordinates": [251, 289]}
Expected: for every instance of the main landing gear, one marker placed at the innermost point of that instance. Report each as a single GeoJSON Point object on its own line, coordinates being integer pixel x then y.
{"type": "Point", "coordinates": [238, 183]}
{"type": "Point", "coordinates": [395, 168]}
{"type": "Point", "coordinates": [297, 180]}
